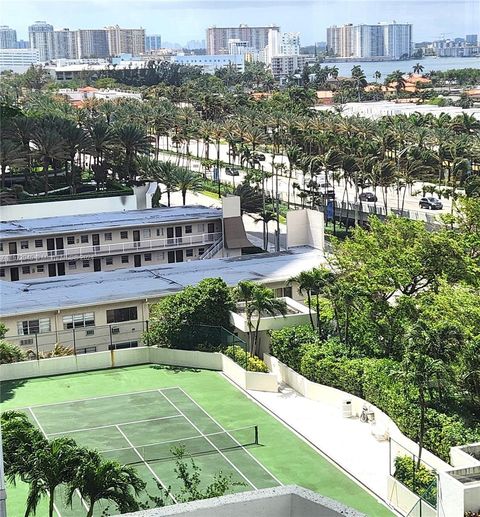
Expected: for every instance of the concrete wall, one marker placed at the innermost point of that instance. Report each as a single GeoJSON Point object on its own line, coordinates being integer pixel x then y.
{"type": "Point", "coordinates": [405, 501]}
{"type": "Point", "coordinates": [71, 207]}
{"type": "Point", "coordinates": [140, 355]}
{"type": "Point", "coordinates": [305, 228]}
{"type": "Point", "coordinates": [459, 457]}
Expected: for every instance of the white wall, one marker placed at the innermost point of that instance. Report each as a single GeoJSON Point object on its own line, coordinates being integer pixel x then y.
{"type": "Point", "coordinates": [71, 207]}
{"type": "Point", "coordinates": [140, 355]}
{"type": "Point", "coordinates": [405, 500]}
{"type": "Point", "coordinates": [305, 228]}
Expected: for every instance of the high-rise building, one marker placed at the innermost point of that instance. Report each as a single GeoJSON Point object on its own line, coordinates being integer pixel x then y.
{"type": "Point", "coordinates": [290, 44]}
{"type": "Point", "coordinates": [218, 37]}
{"type": "Point", "coordinates": [65, 44]}
{"type": "Point", "coordinates": [471, 39]}
{"type": "Point", "coordinates": [41, 38]}
{"type": "Point", "coordinates": [125, 41]}
{"type": "Point", "coordinates": [8, 37]}
{"type": "Point", "coordinates": [383, 40]}
{"type": "Point", "coordinates": [23, 44]}
{"type": "Point", "coordinates": [153, 42]}
{"type": "Point", "coordinates": [92, 43]}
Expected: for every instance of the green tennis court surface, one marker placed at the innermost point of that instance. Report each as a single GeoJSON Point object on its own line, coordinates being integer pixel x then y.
{"type": "Point", "coordinates": [129, 414]}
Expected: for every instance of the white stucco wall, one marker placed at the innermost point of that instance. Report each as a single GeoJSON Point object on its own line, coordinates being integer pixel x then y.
{"type": "Point", "coordinates": [305, 228]}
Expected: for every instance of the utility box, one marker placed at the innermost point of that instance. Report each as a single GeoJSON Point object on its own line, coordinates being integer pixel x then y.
{"type": "Point", "coordinates": [347, 408]}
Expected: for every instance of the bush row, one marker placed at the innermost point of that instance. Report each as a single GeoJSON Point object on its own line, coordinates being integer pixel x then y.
{"type": "Point", "coordinates": [245, 360]}
{"type": "Point", "coordinates": [418, 479]}
{"type": "Point", "coordinates": [374, 380]}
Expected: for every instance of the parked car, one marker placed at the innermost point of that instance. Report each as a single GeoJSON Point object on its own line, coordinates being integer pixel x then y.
{"type": "Point", "coordinates": [369, 197]}
{"type": "Point", "coordinates": [430, 203]}
{"type": "Point", "coordinates": [231, 172]}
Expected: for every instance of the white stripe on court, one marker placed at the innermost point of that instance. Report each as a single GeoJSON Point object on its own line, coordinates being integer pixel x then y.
{"type": "Point", "coordinates": [113, 425]}
{"type": "Point", "coordinates": [98, 398]}
{"type": "Point", "coordinates": [211, 443]}
{"type": "Point", "coordinates": [221, 427]}
{"type": "Point", "coordinates": [44, 434]}
{"type": "Point", "coordinates": [146, 464]}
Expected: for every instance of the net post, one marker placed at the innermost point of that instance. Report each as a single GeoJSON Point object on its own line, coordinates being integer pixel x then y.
{"type": "Point", "coordinates": [256, 435]}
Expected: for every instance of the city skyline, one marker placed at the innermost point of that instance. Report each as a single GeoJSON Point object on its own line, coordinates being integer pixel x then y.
{"type": "Point", "coordinates": [430, 18]}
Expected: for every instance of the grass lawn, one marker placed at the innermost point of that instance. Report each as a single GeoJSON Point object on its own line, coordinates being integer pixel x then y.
{"type": "Point", "coordinates": [285, 455]}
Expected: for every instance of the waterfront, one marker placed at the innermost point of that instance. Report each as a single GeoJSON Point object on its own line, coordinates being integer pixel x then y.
{"type": "Point", "coordinates": [387, 67]}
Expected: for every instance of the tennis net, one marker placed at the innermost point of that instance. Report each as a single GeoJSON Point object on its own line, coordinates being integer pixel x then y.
{"type": "Point", "coordinates": [194, 446]}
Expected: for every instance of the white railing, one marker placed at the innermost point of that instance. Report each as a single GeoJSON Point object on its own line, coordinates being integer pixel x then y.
{"type": "Point", "coordinates": [213, 250]}
{"type": "Point", "coordinates": [110, 249]}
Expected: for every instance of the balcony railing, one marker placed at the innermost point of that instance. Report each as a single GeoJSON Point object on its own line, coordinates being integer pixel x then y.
{"type": "Point", "coordinates": [103, 250]}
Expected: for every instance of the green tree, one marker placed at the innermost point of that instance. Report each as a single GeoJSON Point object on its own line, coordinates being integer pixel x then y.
{"type": "Point", "coordinates": [133, 140]}
{"type": "Point", "coordinates": [96, 479]}
{"type": "Point", "coordinates": [10, 353]}
{"type": "Point", "coordinates": [185, 180]}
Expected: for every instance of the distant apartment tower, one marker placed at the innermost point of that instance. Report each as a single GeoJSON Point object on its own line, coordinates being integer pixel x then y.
{"type": "Point", "coordinates": [471, 39]}
{"type": "Point", "coordinates": [218, 37]}
{"type": "Point", "coordinates": [125, 41]}
{"type": "Point", "coordinates": [23, 44]}
{"type": "Point", "coordinates": [290, 43]}
{"type": "Point", "coordinates": [41, 38]}
{"type": "Point", "coordinates": [92, 43]}
{"type": "Point", "coordinates": [383, 40]}
{"type": "Point", "coordinates": [8, 37]}
{"type": "Point", "coordinates": [65, 44]}
{"type": "Point", "coordinates": [153, 42]}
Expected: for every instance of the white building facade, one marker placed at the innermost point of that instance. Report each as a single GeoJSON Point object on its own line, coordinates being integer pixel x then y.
{"type": "Point", "coordinates": [18, 60]}
{"type": "Point", "coordinates": [209, 63]}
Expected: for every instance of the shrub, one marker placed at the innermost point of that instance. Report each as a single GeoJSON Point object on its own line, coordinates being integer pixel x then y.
{"type": "Point", "coordinates": [287, 344]}
{"type": "Point", "coordinates": [241, 357]}
{"type": "Point", "coordinates": [419, 480]}
{"type": "Point", "coordinates": [10, 353]}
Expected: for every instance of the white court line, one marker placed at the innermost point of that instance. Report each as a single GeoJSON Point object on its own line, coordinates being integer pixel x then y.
{"type": "Point", "coordinates": [145, 463]}
{"type": "Point", "coordinates": [113, 425]}
{"type": "Point", "coordinates": [97, 398]}
{"type": "Point", "coordinates": [43, 432]}
{"type": "Point", "coordinates": [211, 443]}
{"type": "Point", "coordinates": [221, 427]}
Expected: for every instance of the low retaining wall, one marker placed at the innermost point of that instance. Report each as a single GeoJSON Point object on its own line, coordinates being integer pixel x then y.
{"type": "Point", "coordinates": [405, 500]}
{"type": "Point", "coordinates": [141, 355]}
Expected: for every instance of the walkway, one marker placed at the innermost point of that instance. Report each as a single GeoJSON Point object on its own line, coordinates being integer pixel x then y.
{"type": "Point", "coordinates": [348, 442]}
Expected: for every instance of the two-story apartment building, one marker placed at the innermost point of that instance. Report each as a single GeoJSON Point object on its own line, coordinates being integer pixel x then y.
{"type": "Point", "coordinates": [109, 310]}
{"type": "Point", "coordinates": [63, 245]}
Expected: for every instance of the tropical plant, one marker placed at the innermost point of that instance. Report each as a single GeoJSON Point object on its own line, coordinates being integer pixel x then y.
{"type": "Point", "coordinates": [10, 353]}
{"type": "Point", "coordinates": [186, 180]}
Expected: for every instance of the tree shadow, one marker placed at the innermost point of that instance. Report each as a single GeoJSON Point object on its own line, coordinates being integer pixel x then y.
{"type": "Point", "coordinates": [174, 369]}
{"type": "Point", "coordinates": [7, 388]}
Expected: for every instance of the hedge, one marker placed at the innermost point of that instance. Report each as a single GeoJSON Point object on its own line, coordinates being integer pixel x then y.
{"type": "Point", "coordinates": [419, 479]}
{"type": "Point", "coordinates": [241, 357]}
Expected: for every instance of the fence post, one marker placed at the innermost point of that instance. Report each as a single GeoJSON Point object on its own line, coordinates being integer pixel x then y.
{"type": "Point", "coordinates": [111, 339]}
{"type": "Point", "coordinates": [74, 342]}
{"type": "Point", "coordinates": [36, 346]}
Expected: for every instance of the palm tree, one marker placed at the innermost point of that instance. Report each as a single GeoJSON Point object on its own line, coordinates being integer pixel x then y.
{"type": "Point", "coordinates": [398, 80]}
{"type": "Point", "coordinates": [377, 75]}
{"type": "Point", "coordinates": [98, 479]}
{"type": "Point", "coordinates": [244, 293]}
{"type": "Point", "coordinates": [51, 465]}
{"type": "Point", "coordinates": [264, 302]}
{"type": "Point", "coordinates": [306, 285]}
{"type": "Point", "coordinates": [266, 216]}
{"type": "Point", "coordinates": [77, 140]}
{"type": "Point", "coordinates": [11, 155]}
{"type": "Point", "coordinates": [132, 139]}
{"type": "Point", "coordinates": [184, 179]}
{"type": "Point", "coordinates": [418, 68]}
{"type": "Point", "coordinates": [48, 145]}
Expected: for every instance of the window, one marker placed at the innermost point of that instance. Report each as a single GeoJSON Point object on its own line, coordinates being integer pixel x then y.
{"type": "Point", "coordinates": [201, 228]}
{"type": "Point", "coordinates": [119, 315]}
{"type": "Point", "coordinates": [1, 245]}
{"type": "Point", "coordinates": [147, 257]}
{"type": "Point", "coordinates": [147, 233]}
{"type": "Point", "coordinates": [26, 270]}
{"type": "Point", "coordinates": [24, 328]}
{"type": "Point", "coordinates": [40, 269]}
{"type": "Point", "coordinates": [189, 253]}
{"type": "Point", "coordinates": [2, 272]}
{"type": "Point", "coordinates": [123, 235]}
{"type": "Point", "coordinates": [85, 263]}
{"type": "Point", "coordinates": [159, 232]}
{"type": "Point", "coordinates": [79, 320]}
{"type": "Point", "coordinates": [109, 261]}
{"type": "Point", "coordinates": [72, 264]}
{"type": "Point", "coordinates": [83, 239]}
{"type": "Point", "coordinates": [127, 344]}
{"type": "Point", "coordinates": [201, 251]}
{"type": "Point", "coordinates": [86, 350]}
{"type": "Point", "coordinates": [38, 243]}
{"type": "Point", "coordinates": [108, 236]}
{"type": "Point", "coordinates": [188, 228]}
{"type": "Point", "coordinates": [124, 259]}
{"type": "Point", "coordinates": [280, 292]}
{"type": "Point", "coordinates": [71, 240]}
{"type": "Point", "coordinates": [24, 245]}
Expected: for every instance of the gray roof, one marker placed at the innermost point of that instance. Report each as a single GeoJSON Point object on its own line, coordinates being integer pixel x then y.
{"type": "Point", "coordinates": [149, 282]}
{"type": "Point", "coordinates": [104, 220]}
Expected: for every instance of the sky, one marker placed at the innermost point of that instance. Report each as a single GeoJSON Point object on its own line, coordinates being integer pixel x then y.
{"type": "Point", "coordinates": [183, 20]}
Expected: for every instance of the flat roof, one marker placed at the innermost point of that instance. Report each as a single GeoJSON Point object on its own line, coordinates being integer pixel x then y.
{"type": "Point", "coordinates": [103, 220]}
{"type": "Point", "coordinates": [47, 294]}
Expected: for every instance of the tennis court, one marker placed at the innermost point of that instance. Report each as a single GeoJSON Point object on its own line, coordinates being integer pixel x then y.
{"type": "Point", "coordinates": [142, 428]}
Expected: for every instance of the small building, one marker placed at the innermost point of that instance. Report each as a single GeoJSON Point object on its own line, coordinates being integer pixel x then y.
{"type": "Point", "coordinates": [18, 60]}
{"type": "Point", "coordinates": [210, 63]}
{"type": "Point", "coordinates": [79, 96]}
